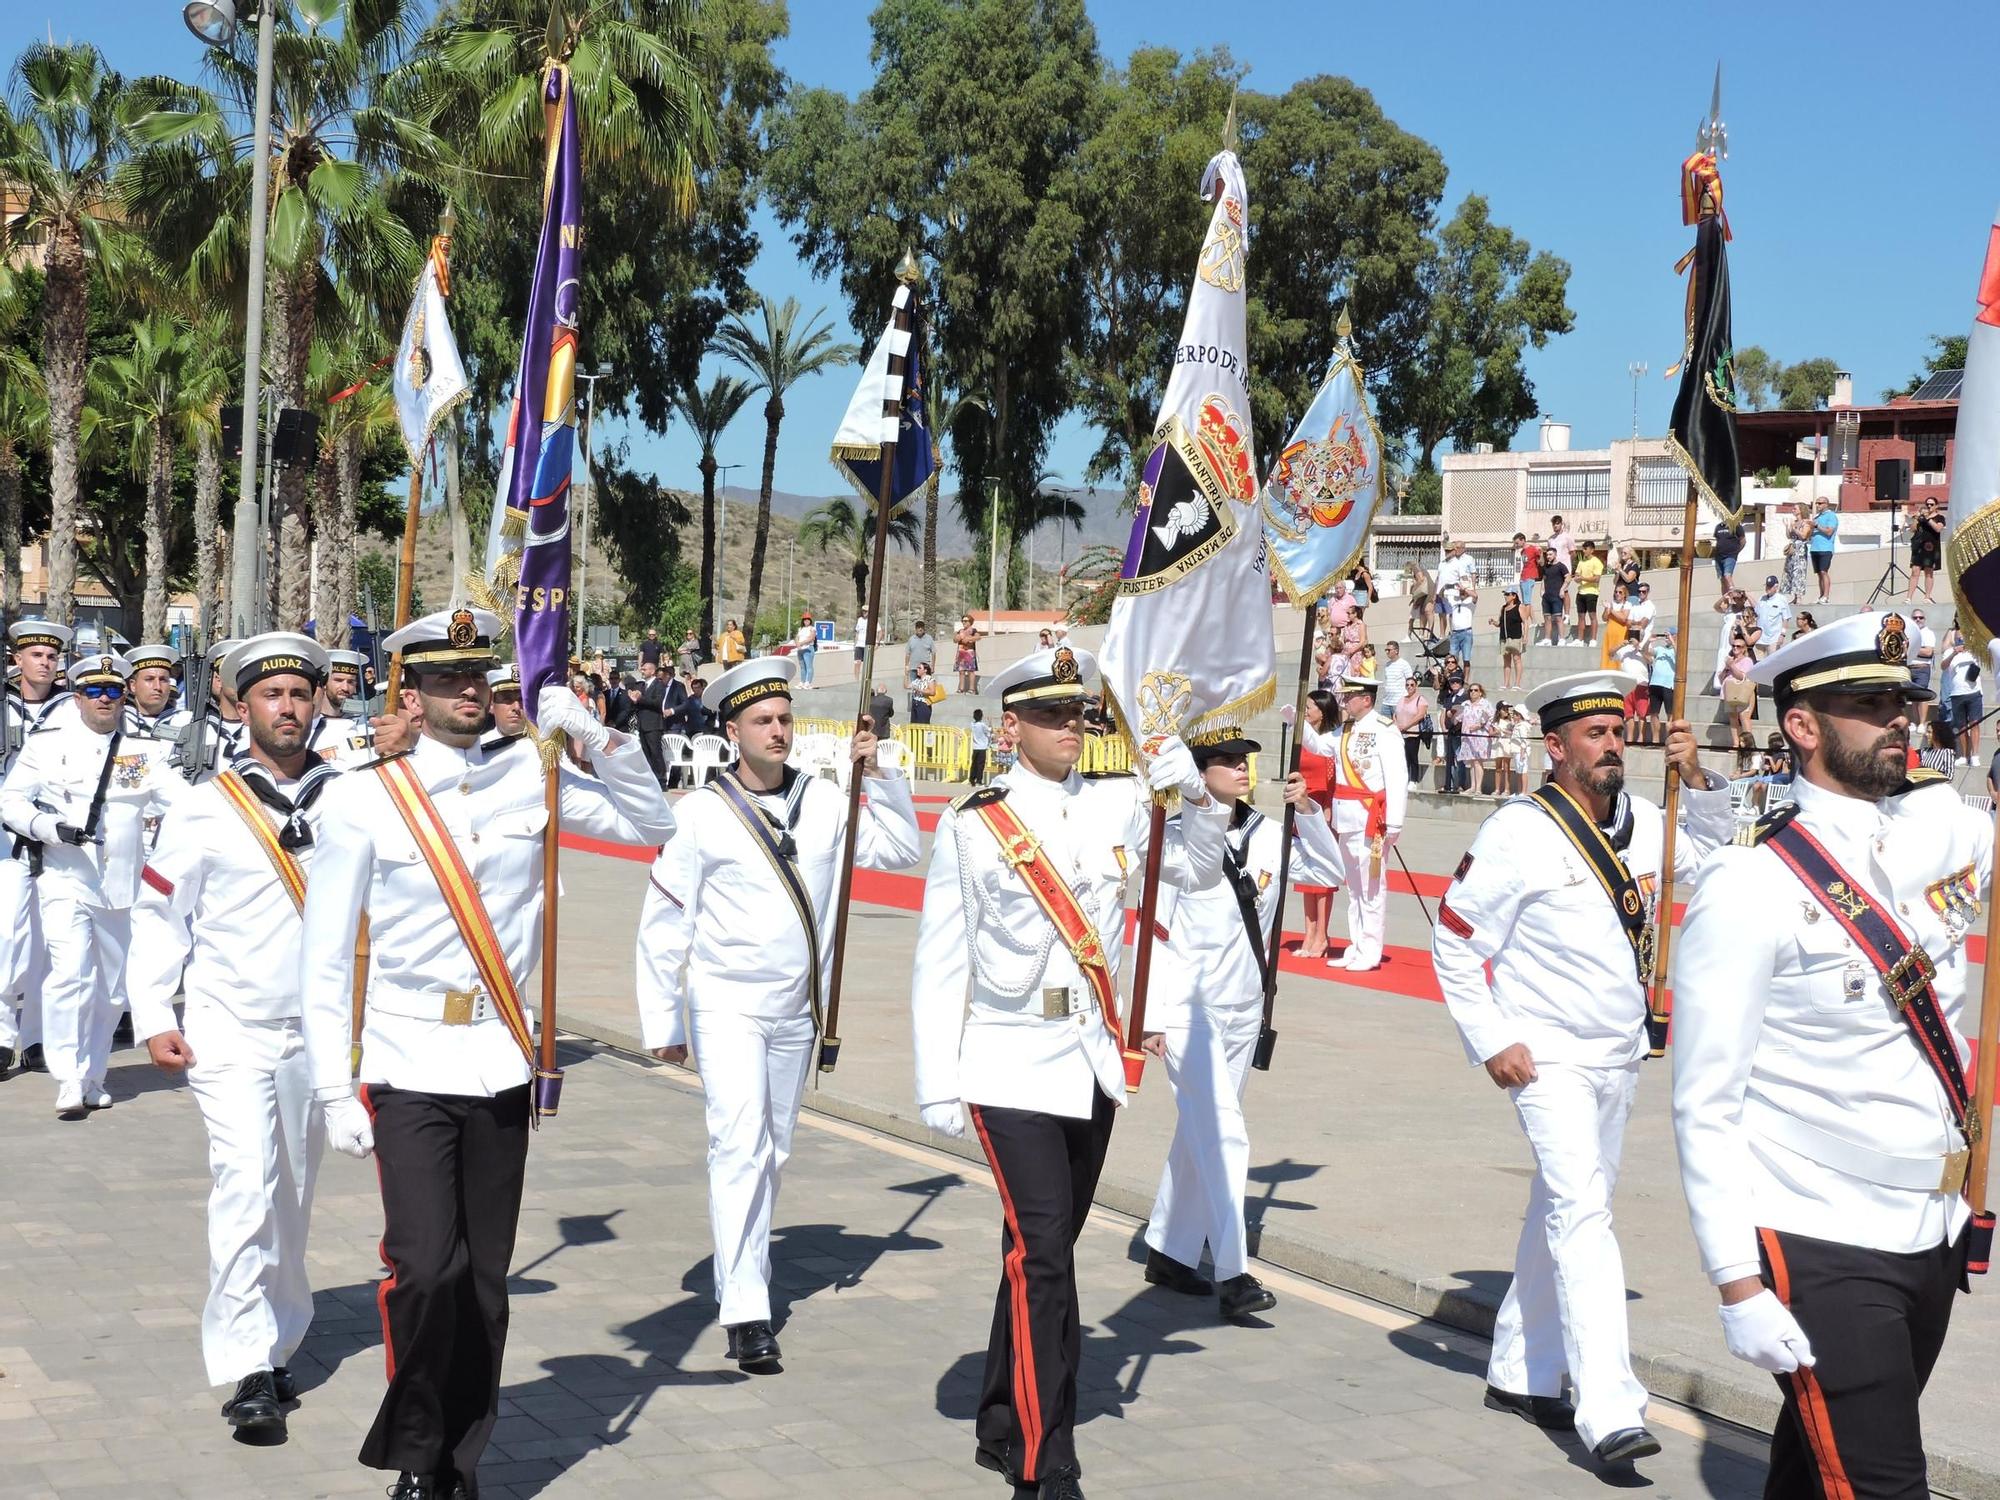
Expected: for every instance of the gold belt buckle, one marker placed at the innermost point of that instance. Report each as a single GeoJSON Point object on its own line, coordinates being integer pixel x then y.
{"type": "Point", "coordinates": [1056, 1004]}
{"type": "Point", "coordinates": [1908, 976]}
{"type": "Point", "coordinates": [1955, 1166]}
{"type": "Point", "coordinates": [458, 1007]}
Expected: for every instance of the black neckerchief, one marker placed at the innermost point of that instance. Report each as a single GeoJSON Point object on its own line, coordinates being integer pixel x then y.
{"type": "Point", "coordinates": [296, 833]}
{"type": "Point", "coordinates": [792, 790]}
{"type": "Point", "coordinates": [1619, 829]}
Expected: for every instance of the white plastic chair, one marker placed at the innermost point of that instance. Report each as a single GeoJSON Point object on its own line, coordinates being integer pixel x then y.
{"type": "Point", "coordinates": [711, 753]}
{"type": "Point", "coordinates": [678, 755]}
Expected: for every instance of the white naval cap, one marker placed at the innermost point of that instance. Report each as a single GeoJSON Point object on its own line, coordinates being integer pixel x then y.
{"type": "Point", "coordinates": [1578, 695]}
{"type": "Point", "coordinates": [24, 633]}
{"type": "Point", "coordinates": [1054, 674]}
{"type": "Point", "coordinates": [275, 653]}
{"type": "Point", "coordinates": [508, 676]}
{"type": "Point", "coordinates": [151, 656]}
{"type": "Point", "coordinates": [353, 661]}
{"type": "Point", "coordinates": [1352, 682]}
{"type": "Point", "coordinates": [1863, 653]}
{"type": "Point", "coordinates": [101, 667]}
{"type": "Point", "coordinates": [449, 640]}
{"type": "Point", "coordinates": [222, 648]}
{"type": "Point", "coordinates": [748, 682]}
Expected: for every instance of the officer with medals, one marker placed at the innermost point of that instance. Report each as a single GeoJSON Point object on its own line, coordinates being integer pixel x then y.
{"type": "Point", "coordinates": [1024, 911]}
{"type": "Point", "coordinates": [226, 882]}
{"type": "Point", "coordinates": [1820, 1070]}
{"type": "Point", "coordinates": [1555, 901]}
{"type": "Point", "coordinates": [736, 953]}
{"type": "Point", "coordinates": [82, 789]}
{"type": "Point", "coordinates": [151, 696]}
{"type": "Point", "coordinates": [1206, 1007]}
{"type": "Point", "coordinates": [442, 847]}
{"type": "Point", "coordinates": [1371, 793]}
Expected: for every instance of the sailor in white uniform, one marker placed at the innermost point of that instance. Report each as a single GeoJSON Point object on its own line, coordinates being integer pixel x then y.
{"type": "Point", "coordinates": [510, 716]}
{"type": "Point", "coordinates": [34, 690]}
{"type": "Point", "coordinates": [1370, 781]}
{"type": "Point", "coordinates": [339, 734]}
{"type": "Point", "coordinates": [1820, 1070]}
{"type": "Point", "coordinates": [83, 789]}
{"type": "Point", "coordinates": [736, 953]}
{"type": "Point", "coordinates": [446, 1047]}
{"type": "Point", "coordinates": [224, 889]}
{"type": "Point", "coordinates": [151, 696]}
{"type": "Point", "coordinates": [1206, 1008]}
{"type": "Point", "coordinates": [1039, 1058]}
{"type": "Point", "coordinates": [1555, 900]}
{"type": "Point", "coordinates": [39, 693]}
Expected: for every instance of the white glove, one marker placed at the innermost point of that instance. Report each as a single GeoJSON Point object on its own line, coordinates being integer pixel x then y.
{"type": "Point", "coordinates": [946, 1118]}
{"type": "Point", "coordinates": [1390, 836]}
{"type": "Point", "coordinates": [560, 709]}
{"type": "Point", "coordinates": [1172, 768]}
{"type": "Point", "coordinates": [348, 1127]}
{"type": "Point", "coordinates": [1762, 1331]}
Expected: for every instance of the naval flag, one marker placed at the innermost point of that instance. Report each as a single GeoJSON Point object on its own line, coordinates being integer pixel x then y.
{"type": "Point", "coordinates": [1973, 553]}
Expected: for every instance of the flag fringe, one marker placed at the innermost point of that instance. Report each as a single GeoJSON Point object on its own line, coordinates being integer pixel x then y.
{"type": "Point", "coordinates": [1229, 715]}
{"type": "Point", "coordinates": [1974, 540]}
{"type": "Point", "coordinates": [437, 421]}
{"type": "Point", "coordinates": [1682, 457]}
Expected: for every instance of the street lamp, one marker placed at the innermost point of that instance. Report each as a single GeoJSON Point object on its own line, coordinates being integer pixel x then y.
{"type": "Point", "coordinates": [214, 22]}
{"type": "Point", "coordinates": [589, 495]}
{"type": "Point", "coordinates": [721, 531]}
{"type": "Point", "coordinates": [1637, 370]}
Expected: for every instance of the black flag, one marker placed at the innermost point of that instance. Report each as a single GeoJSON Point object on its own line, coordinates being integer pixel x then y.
{"type": "Point", "coordinates": [1702, 434]}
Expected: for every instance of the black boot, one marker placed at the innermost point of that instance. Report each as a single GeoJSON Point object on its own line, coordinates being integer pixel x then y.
{"type": "Point", "coordinates": [1064, 1484]}
{"type": "Point", "coordinates": [1164, 1270]}
{"type": "Point", "coordinates": [254, 1409]}
{"type": "Point", "coordinates": [1240, 1296]}
{"type": "Point", "coordinates": [287, 1388]}
{"type": "Point", "coordinates": [410, 1486]}
{"type": "Point", "coordinates": [753, 1345]}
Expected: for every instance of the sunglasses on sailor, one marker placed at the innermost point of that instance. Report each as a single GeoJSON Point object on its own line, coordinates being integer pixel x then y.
{"type": "Point", "coordinates": [103, 690]}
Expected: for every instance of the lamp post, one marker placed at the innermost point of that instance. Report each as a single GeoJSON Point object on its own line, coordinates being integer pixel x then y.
{"type": "Point", "coordinates": [1637, 370]}
{"type": "Point", "coordinates": [721, 527]}
{"type": "Point", "coordinates": [214, 22]}
{"type": "Point", "coordinates": [589, 496]}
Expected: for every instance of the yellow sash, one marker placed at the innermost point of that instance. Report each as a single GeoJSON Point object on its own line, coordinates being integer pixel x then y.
{"type": "Point", "coordinates": [290, 875]}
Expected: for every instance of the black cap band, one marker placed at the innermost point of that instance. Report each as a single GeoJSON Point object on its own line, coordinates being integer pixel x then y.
{"type": "Point", "coordinates": [756, 692]}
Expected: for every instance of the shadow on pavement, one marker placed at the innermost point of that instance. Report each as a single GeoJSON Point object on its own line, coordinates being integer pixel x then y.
{"type": "Point", "coordinates": [1271, 1176]}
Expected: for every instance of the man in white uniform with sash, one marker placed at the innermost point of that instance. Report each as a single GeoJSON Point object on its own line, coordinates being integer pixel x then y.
{"type": "Point", "coordinates": [736, 953]}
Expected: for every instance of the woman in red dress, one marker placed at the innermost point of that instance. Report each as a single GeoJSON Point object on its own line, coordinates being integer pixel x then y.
{"type": "Point", "coordinates": [1323, 714]}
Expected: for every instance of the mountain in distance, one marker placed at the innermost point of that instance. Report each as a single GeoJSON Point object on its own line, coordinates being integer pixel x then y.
{"type": "Point", "coordinates": [1104, 521]}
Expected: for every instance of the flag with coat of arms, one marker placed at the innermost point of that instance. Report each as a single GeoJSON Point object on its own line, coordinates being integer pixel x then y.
{"type": "Point", "coordinates": [1973, 528]}
{"type": "Point", "coordinates": [1189, 645]}
{"type": "Point", "coordinates": [1322, 493]}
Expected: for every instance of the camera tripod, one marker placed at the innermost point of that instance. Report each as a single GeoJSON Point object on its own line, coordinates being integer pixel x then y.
{"type": "Point", "coordinates": [1893, 576]}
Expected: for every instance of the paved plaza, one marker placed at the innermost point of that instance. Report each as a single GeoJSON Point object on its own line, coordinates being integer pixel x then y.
{"type": "Point", "coordinates": [615, 1383]}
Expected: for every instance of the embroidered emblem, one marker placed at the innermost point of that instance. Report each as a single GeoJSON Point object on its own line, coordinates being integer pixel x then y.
{"type": "Point", "coordinates": [1222, 258]}
{"type": "Point", "coordinates": [1063, 669]}
{"type": "Point", "coordinates": [1854, 981]}
{"type": "Point", "coordinates": [1891, 644]}
{"type": "Point", "coordinates": [1631, 903]}
{"type": "Point", "coordinates": [1463, 866]}
{"type": "Point", "coordinates": [464, 631]}
{"type": "Point", "coordinates": [1850, 902]}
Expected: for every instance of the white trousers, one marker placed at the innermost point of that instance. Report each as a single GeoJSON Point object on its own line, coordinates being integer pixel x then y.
{"type": "Point", "coordinates": [265, 1136]}
{"type": "Point", "coordinates": [1208, 1165]}
{"type": "Point", "coordinates": [753, 1076]}
{"type": "Point", "coordinates": [84, 987]}
{"type": "Point", "coordinates": [1566, 1308]}
{"type": "Point", "coordinates": [1367, 899]}
{"type": "Point", "coordinates": [21, 961]}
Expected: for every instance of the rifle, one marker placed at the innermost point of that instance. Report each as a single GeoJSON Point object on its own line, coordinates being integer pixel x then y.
{"type": "Point", "coordinates": [195, 754]}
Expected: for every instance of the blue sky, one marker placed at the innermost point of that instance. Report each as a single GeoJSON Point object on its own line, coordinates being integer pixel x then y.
{"type": "Point", "coordinates": [1863, 167]}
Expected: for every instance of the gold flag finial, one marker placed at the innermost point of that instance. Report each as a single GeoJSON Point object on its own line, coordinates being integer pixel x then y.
{"type": "Point", "coordinates": [1229, 137]}
{"type": "Point", "coordinates": [1344, 329]}
{"type": "Point", "coordinates": [907, 270]}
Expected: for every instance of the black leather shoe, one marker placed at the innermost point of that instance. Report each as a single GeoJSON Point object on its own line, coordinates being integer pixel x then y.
{"type": "Point", "coordinates": [121, 1034]}
{"type": "Point", "coordinates": [1164, 1270]}
{"type": "Point", "coordinates": [753, 1345]}
{"type": "Point", "coordinates": [286, 1387]}
{"type": "Point", "coordinates": [994, 1459]}
{"type": "Point", "coordinates": [32, 1060]}
{"type": "Point", "coordinates": [410, 1486]}
{"type": "Point", "coordinates": [1551, 1412]}
{"type": "Point", "coordinates": [1240, 1296]}
{"type": "Point", "coordinates": [1625, 1445]}
{"type": "Point", "coordinates": [254, 1407]}
{"type": "Point", "coordinates": [6, 1061]}
{"type": "Point", "coordinates": [1064, 1484]}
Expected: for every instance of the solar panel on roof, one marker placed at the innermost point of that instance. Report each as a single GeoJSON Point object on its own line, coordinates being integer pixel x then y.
{"type": "Point", "coordinates": [1943, 386]}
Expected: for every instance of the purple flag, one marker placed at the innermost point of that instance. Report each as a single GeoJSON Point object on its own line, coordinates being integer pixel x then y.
{"type": "Point", "coordinates": [544, 409]}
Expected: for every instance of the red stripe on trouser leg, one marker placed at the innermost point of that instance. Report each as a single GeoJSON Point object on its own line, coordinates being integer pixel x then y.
{"type": "Point", "coordinates": [382, 1251]}
{"type": "Point", "coordinates": [1805, 1386]}
{"type": "Point", "coordinates": [1027, 1402]}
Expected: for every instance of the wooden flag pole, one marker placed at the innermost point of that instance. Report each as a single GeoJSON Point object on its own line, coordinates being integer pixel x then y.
{"type": "Point", "coordinates": [1142, 969]}
{"type": "Point", "coordinates": [1659, 1006]}
{"type": "Point", "coordinates": [548, 1077]}
{"type": "Point", "coordinates": [1987, 1064]}
{"type": "Point", "coordinates": [1267, 1035]}
{"type": "Point", "coordinates": [892, 412]}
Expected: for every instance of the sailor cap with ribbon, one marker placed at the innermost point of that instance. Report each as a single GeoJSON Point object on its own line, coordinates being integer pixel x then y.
{"type": "Point", "coordinates": [750, 682]}
{"type": "Point", "coordinates": [222, 648]}
{"type": "Point", "coordinates": [273, 654]}
{"type": "Point", "coordinates": [1864, 653]}
{"type": "Point", "coordinates": [352, 661]}
{"type": "Point", "coordinates": [151, 656]}
{"type": "Point", "coordinates": [105, 667]}
{"type": "Point", "coordinates": [1578, 695]}
{"type": "Point", "coordinates": [1226, 739]}
{"type": "Point", "coordinates": [24, 633]}
{"type": "Point", "coordinates": [1050, 677]}
{"type": "Point", "coordinates": [451, 640]}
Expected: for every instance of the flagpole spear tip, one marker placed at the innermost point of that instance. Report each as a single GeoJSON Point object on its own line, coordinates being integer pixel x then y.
{"type": "Point", "coordinates": [1344, 329]}
{"type": "Point", "coordinates": [1229, 135]}
{"type": "Point", "coordinates": [447, 221]}
{"type": "Point", "coordinates": [907, 270]}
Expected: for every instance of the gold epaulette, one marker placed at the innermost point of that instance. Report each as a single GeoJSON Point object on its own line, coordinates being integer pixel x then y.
{"type": "Point", "coordinates": [980, 796]}
{"type": "Point", "coordinates": [1764, 827]}
{"type": "Point", "coordinates": [1922, 776]}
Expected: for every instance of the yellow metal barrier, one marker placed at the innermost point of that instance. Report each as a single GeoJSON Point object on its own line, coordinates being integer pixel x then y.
{"type": "Point", "coordinates": [938, 752]}
{"type": "Point", "coordinates": [1109, 754]}
{"type": "Point", "coordinates": [839, 727]}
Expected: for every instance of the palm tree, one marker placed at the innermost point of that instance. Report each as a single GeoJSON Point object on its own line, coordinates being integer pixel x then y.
{"type": "Point", "coordinates": [781, 356]}
{"type": "Point", "coordinates": [840, 525]}
{"type": "Point", "coordinates": [211, 366]}
{"type": "Point", "coordinates": [24, 416]}
{"type": "Point", "coordinates": [353, 418]}
{"type": "Point", "coordinates": [340, 251]}
{"type": "Point", "coordinates": [59, 145]}
{"type": "Point", "coordinates": [708, 412]}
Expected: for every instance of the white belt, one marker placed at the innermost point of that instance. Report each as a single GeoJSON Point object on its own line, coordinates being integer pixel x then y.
{"type": "Point", "coordinates": [1943, 1173]}
{"type": "Point", "coordinates": [450, 1007]}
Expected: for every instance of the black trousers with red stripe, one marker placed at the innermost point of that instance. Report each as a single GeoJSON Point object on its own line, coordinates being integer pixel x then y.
{"type": "Point", "coordinates": [1046, 1167]}
{"type": "Point", "coordinates": [451, 1167]}
{"type": "Point", "coordinates": [1877, 1320]}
